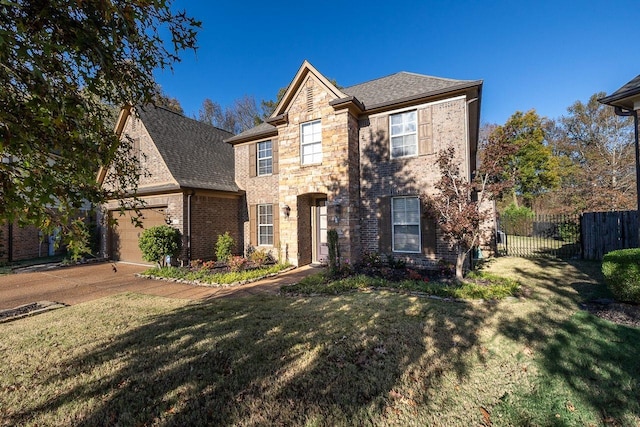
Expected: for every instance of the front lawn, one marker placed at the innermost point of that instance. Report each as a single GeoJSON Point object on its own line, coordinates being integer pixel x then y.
{"type": "Point", "coordinates": [479, 286]}
{"type": "Point", "coordinates": [362, 358]}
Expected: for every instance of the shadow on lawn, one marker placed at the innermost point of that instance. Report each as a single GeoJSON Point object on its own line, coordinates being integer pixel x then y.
{"type": "Point", "coordinates": [585, 362]}
{"type": "Point", "coordinates": [275, 361]}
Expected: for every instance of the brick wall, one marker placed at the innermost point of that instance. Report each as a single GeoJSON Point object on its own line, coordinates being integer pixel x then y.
{"type": "Point", "coordinates": [27, 242]}
{"type": "Point", "coordinates": [439, 124]}
{"type": "Point", "coordinates": [212, 216]}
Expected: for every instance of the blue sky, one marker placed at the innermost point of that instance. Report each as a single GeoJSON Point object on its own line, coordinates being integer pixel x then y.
{"type": "Point", "coordinates": [531, 54]}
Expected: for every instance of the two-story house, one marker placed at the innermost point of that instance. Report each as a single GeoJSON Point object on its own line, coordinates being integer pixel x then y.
{"type": "Point", "coordinates": [354, 159]}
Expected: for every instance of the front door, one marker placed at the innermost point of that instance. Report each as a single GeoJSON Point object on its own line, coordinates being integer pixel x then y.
{"type": "Point", "coordinates": [322, 248]}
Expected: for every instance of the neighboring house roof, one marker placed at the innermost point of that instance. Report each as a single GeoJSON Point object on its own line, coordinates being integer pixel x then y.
{"type": "Point", "coordinates": [402, 87]}
{"type": "Point", "coordinates": [375, 94]}
{"type": "Point", "coordinates": [194, 152]}
{"type": "Point", "coordinates": [625, 96]}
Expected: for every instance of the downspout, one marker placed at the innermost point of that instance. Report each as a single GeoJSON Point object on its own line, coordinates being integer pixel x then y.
{"type": "Point", "coordinates": [626, 113]}
{"type": "Point", "coordinates": [10, 243]}
{"type": "Point", "coordinates": [191, 193]}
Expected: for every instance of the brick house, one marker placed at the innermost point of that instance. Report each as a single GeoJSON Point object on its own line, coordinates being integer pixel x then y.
{"type": "Point", "coordinates": [20, 243]}
{"type": "Point", "coordinates": [355, 160]}
{"type": "Point", "coordinates": [189, 185]}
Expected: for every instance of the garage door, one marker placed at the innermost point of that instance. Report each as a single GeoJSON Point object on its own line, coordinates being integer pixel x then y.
{"type": "Point", "coordinates": [124, 236]}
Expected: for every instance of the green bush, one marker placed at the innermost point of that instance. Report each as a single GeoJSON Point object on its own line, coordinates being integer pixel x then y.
{"type": "Point", "coordinates": [517, 220]}
{"type": "Point", "coordinates": [158, 242]}
{"type": "Point", "coordinates": [224, 247]}
{"type": "Point", "coordinates": [621, 271]}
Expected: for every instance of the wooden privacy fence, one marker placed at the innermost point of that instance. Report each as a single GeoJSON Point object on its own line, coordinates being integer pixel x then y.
{"type": "Point", "coordinates": [603, 232]}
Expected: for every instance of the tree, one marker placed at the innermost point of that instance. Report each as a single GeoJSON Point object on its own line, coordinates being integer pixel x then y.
{"type": "Point", "coordinates": [461, 206]}
{"type": "Point", "coordinates": [242, 115]}
{"type": "Point", "coordinates": [596, 148]}
{"type": "Point", "coordinates": [161, 99]}
{"type": "Point", "coordinates": [532, 165]}
{"type": "Point", "coordinates": [65, 64]}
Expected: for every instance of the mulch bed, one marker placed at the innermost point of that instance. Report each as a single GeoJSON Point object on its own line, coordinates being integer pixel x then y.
{"type": "Point", "coordinates": [28, 310]}
{"type": "Point", "coordinates": [616, 312]}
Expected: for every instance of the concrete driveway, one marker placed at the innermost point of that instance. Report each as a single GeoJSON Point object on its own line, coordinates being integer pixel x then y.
{"type": "Point", "coordinates": [73, 285]}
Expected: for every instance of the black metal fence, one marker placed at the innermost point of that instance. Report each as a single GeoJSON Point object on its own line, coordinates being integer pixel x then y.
{"type": "Point", "coordinates": [540, 235]}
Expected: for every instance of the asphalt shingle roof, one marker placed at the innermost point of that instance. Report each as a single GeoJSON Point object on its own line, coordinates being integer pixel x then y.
{"type": "Point", "coordinates": [630, 89]}
{"type": "Point", "coordinates": [382, 92]}
{"type": "Point", "coordinates": [194, 152]}
{"type": "Point", "coordinates": [402, 86]}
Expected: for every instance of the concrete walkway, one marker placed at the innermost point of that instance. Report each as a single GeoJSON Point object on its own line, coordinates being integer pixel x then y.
{"type": "Point", "coordinates": [73, 285]}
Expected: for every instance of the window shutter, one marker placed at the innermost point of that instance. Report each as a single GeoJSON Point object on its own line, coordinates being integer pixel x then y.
{"type": "Point", "coordinates": [253, 224]}
{"type": "Point", "coordinates": [274, 154]}
{"type": "Point", "coordinates": [382, 137]}
{"type": "Point", "coordinates": [425, 131]}
{"type": "Point", "coordinates": [252, 160]}
{"type": "Point", "coordinates": [384, 225]}
{"type": "Point", "coordinates": [276, 226]}
{"type": "Point", "coordinates": [429, 239]}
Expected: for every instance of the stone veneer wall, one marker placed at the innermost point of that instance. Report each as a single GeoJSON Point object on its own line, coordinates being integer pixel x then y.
{"type": "Point", "coordinates": [332, 177]}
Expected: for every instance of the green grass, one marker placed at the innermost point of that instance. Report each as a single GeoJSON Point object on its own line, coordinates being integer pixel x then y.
{"type": "Point", "coordinates": [361, 358]}
{"type": "Point", "coordinates": [479, 286]}
{"type": "Point", "coordinates": [206, 276]}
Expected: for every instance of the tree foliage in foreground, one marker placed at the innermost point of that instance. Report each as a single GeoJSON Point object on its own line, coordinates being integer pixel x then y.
{"type": "Point", "coordinates": [64, 64]}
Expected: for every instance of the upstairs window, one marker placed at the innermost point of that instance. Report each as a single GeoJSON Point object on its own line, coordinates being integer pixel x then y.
{"type": "Point", "coordinates": [404, 140]}
{"type": "Point", "coordinates": [311, 142]}
{"type": "Point", "coordinates": [265, 225]}
{"type": "Point", "coordinates": [265, 158]}
{"type": "Point", "coordinates": [405, 213]}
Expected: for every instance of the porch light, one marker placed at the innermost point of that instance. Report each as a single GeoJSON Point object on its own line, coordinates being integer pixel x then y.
{"type": "Point", "coordinates": [286, 210]}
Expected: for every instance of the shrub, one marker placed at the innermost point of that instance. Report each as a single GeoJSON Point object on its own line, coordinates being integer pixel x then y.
{"type": "Point", "coordinates": [621, 271]}
{"type": "Point", "coordinates": [334, 250]}
{"type": "Point", "coordinates": [517, 220]}
{"type": "Point", "coordinates": [158, 242]}
{"type": "Point", "coordinates": [236, 263]}
{"type": "Point", "coordinates": [259, 257]}
{"type": "Point", "coordinates": [224, 246]}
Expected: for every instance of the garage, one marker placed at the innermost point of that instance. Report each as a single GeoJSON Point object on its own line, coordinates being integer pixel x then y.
{"type": "Point", "coordinates": [124, 235]}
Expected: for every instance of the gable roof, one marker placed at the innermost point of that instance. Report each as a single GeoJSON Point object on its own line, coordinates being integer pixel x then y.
{"type": "Point", "coordinates": [403, 87]}
{"type": "Point", "coordinates": [375, 94]}
{"type": "Point", "coordinates": [194, 152]}
{"type": "Point", "coordinates": [625, 96]}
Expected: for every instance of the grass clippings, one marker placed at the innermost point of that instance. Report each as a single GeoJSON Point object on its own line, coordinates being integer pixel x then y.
{"type": "Point", "coordinates": [362, 358]}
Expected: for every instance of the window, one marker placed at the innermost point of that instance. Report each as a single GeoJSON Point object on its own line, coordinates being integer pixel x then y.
{"type": "Point", "coordinates": [265, 158]}
{"type": "Point", "coordinates": [265, 225]}
{"type": "Point", "coordinates": [405, 213]}
{"type": "Point", "coordinates": [311, 142]}
{"type": "Point", "coordinates": [404, 141]}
